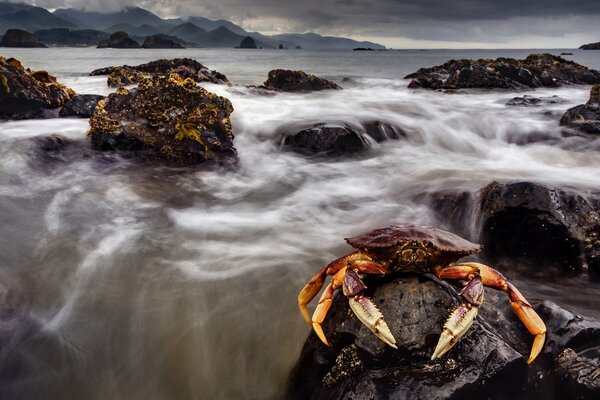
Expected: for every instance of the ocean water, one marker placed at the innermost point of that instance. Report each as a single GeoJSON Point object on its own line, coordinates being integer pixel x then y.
{"type": "Point", "coordinates": [133, 281]}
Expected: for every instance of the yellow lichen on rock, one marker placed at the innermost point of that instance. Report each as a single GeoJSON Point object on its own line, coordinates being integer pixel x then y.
{"type": "Point", "coordinates": [101, 121]}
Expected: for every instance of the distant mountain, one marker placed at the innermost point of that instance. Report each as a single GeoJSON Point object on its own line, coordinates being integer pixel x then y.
{"type": "Point", "coordinates": [210, 25]}
{"type": "Point", "coordinates": [316, 41]}
{"type": "Point", "coordinates": [29, 18]}
{"type": "Point", "coordinates": [70, 37]}
{"type": "Point", "coordinates": [134, 16]}
{"type": "Point", "coordinates": [200, 37]}
{"type": "Point", "coordinates": [142, 30]}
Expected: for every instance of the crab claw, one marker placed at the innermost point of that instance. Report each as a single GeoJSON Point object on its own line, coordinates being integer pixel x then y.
{"type": "Point", "coordinates": [461, 318]}
{"type": "Point", "coordinates": [366, 311]}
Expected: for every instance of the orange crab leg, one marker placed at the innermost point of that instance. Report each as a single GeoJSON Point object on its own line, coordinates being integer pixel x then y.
{"type": "Point", "coordinates": [492, 278]}
{"type": "Point", "coordinates": [325, 303]}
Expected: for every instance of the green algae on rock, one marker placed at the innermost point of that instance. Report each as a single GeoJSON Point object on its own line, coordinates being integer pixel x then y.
{"type": "Point", "coordinates": [168, 118]}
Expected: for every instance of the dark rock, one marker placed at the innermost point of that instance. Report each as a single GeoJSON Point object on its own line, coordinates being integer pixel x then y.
{"type": "Point", "coordinates": [29, 94]}
{"type": "Point", "coordinates": [20, 38]}
{"type": "Point", "coordinates": [297, 81]}
{"type": "Point", "coordinates": [532, 101]}
{"type": "Point", "coordinates": [585, 117]}
{"type": "Point", "coordinates": [363, 49]}
{"type": "Point", "coordinates": [119, 40]}
{"type": "Point", "coordinates": [536, 70]}
{"type": "Point", "coordinates": [579, 376]}
{"type": "Point", "coordinates": [566, 54]}
{"type": "Point", "coordinates": [330, 139]}
{"type": "Point", "coordinates": [160, 42]}
{"type": "Point", "coordinates": [360, 366]}
{"type": "Point", "coordinates": [547, 225]}
{"type": "Point", "coordinates": [166, 118]}
{"type": "Point", "coordinates": [81, 105]}
{"type": "Point", "coordinates": [591, 46]}
{"type": "Point", "coordinates": [186, 67]}
{"type": "Point", "coordinates": [248, 43]}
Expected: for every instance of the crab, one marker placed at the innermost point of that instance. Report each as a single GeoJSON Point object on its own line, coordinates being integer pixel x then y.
{"type": "Point", "coordinates": [414, 249]}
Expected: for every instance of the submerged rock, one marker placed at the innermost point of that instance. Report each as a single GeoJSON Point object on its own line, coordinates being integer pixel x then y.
{"type": "Point", "coordinates": [536, 70]}
{"type": "Point", "coordinates": [81, 105]}
{"type": "Point", "coordinates": [297, 81]}
{"type": "Point", "coordinates": [166, 118]}
{"type": "Point", "coordinates": [186, 67]}
{"type": "Point", "coordinates": [160, 42]}
{"type": "Point", "coordinates": [532, 101]}
{"type": "Point", "coordinates": [20, 38]}
{"type": "Point", "coordinates": [119, 40]}
{"type": "Point", "coordinates": [29, 94]}
{"type": "Point", "coordinates": [585, 117]}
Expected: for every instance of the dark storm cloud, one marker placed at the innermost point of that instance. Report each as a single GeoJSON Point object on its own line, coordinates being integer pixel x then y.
{"type": "Point", "coordinates": [435, 20]}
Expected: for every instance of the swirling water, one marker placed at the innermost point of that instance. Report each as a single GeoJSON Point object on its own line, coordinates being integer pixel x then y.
{"type": "Point", "coordinates": [133, 281]}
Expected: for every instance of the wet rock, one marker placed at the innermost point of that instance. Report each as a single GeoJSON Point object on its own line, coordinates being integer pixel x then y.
{"type": "Point", "coordinates": [165, 118]}
{"type": "Point", "coordinates": [186, 67]}
{"type": "Point", "coordinates": [297, 81]}
{"type": "Point", "coordinates": [20, 38]}
{"type": "Point", "coordinates": [540, 223]}
{"type": "Point", "coordinates": [160, 42]}
{"type": "Point", "coordinates": [29, 94]}
{"type": "Point", "coordinates": [590, 46]}
{"type": "Point", "coordinates": [536, 70]}
{"type": "Point", "coordinates": [585, 117]}
{"type": "Point", "coordinates": [579, 375]}
{"type": "Point", "coordinates": [532, 101]}
{"type": "Point", "coordinates": [81, 105]}
{"type": "Point", "coordinates": [119, 40]}
{"type": "Point", "coordinates": [360, 366]}
{"type": "Point", "coordinates": [248, 43]}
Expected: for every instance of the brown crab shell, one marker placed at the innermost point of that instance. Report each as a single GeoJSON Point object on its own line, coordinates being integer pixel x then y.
{"type": "Point", "coordinates": [395, 235]}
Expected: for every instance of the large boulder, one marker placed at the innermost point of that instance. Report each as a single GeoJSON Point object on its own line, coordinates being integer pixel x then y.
{"type": "Point", "coordinates": [297, 81]}
{"type": "Point", "coordinates": [167, 118]}
{"type": "Point", "coordinates": [81, 105]}
{"type": "Point", "coordinates": [186, 67]}
{"type": "Point", "coordinates": [119, 40]}
{"type": "Point", "coordinates": [29, 94]}
{"type": "Point", "coordinates": [20, 38]}
{"type": "Point", "coordinates": [160, 42]}
{"type": "Point", "coordinates": [536, 70]}
{"type": "Point", "coordinates": [585, 117]}
{"type": "Point", "coordinates": [590, 46]}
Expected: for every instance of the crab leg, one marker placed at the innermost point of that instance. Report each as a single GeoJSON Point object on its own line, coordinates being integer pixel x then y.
{"type": "Point", "coordinates": [461, 318]}
{"type": "Point", "coordinates": [492, 278]}
{"type": "Point", "coordinates": [325, 304]}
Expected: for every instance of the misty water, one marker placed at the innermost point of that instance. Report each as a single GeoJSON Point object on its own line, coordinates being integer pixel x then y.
{"type": "Point", "coordinates": [135, 281]}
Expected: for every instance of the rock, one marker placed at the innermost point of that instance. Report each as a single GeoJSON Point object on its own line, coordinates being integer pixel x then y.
{"type": "Point", "coordinates": [81, 105]}
{"type": "Point", "coordinates": [166, 118]}
{"type": "Point", "coordinates": [360, 366]}
{"type": "Point", "coordinates": [20, 38]}
{"type": "Point", "coordinates": [248, 43]}
{"type": "Point", "coordinates": [29, 94]}
{"type": "Point", "coordinates": [187, 68]}
{"type": "Point", "coordinates": [160, 42]}
{"type": "Point", "coordinates": [590, 46]}
{"type": "Point", "coordinates": [537, 70]}
{"type": "Point", "coordinates": [543, 224]}
{"type": "Point", "coordinates": [564, 53]}
{"type": "Point", "coordinates": [119, 40]}
{"type": "Point", "coordinates": [297, 81]}
{"type": "Point", "coordinates": [579, 376]}
{"type": "Point", "coordinates": [585, 117]}
{"type": "Point", "coordinates": [531, 101]}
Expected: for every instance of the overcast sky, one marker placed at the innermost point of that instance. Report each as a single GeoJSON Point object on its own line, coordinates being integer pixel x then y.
{"type": "Point", "coordinates": [394, 23]}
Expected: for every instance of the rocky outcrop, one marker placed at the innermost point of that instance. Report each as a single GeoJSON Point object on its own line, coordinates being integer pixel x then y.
{"type": "Point", "coordinates": [166, 118]}
{"type": "Point", "coordinates": [297, 81]}
{"type": "Point", "coordinates": [336, 140]}
{"type": "Point", "coordinates": [488, 362]}
{"type": "Point", "coordinates": [81, 105]}
{"type": "Point", "coordinates": [20, 38]}
{"type": "Point", "coordinates": [532, 101]}
{"type": "Point", "coordinates": [537, 70]}
{"type": "Point", "coordinates": [119, 40]}
{"type": "Point", "coordinates": [29, 94]}
{"type": "Point", "coordinates": [248, 43]}
{"type": "Point", "coordinates": [160, 42]}
{"type": "Point", "coordinates": [585, 117]}
{"type": "Point", "coordinates": [590, 46]}
{"type": "Point", "coordinates": [185, 67]}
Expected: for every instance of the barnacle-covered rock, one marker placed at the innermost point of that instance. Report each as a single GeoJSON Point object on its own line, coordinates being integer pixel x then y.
{"type": "Point", "coordinates": [185, 67]}
{"type": "Point", "coordinates": [29, 94]}
{"type": "Point", "coordinates": [168, 118]}
{"type": "Point", "coordinates": [297, 81]}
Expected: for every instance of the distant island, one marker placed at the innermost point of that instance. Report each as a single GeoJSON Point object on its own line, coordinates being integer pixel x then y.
{"type": "Point", "coordinates": [73, 27]}
{"type": "Point", "coordinates": [591, 46]}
